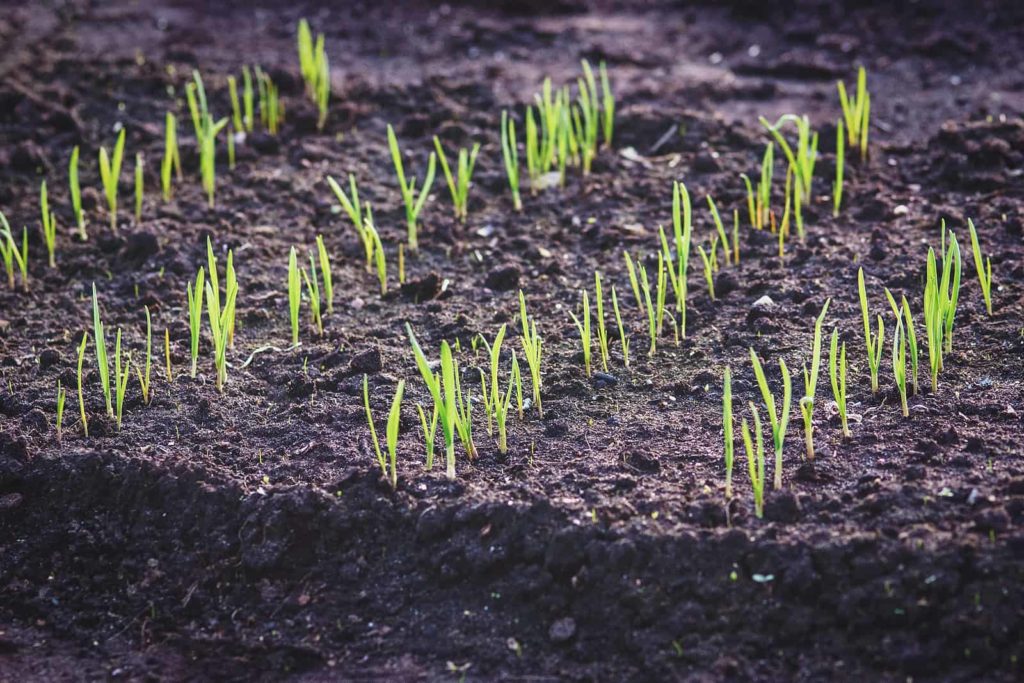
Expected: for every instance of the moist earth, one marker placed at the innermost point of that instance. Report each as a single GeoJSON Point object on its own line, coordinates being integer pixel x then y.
{"type": "Point", "coordinates": [249, 534]}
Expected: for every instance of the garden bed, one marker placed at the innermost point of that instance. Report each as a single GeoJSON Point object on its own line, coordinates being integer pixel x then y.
{"type": "Point", "coordinates": [250, 534]}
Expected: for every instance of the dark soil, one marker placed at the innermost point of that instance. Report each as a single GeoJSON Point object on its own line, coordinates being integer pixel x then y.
{"type": "Point", "coordinates": [250, 536]}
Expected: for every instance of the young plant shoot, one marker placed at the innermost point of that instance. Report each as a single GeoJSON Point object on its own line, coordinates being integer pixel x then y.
{"type": "Point", "coordinates": [623, 337]}
{"type": "Point", "coordinates": [602, 330]}
{"type": "Point", "coordinates": [727, 431]}
{"type": "Point", "coordinates": [584, 330]}
{"type": "Point", "coordinates": [983, 268]}
{"type": "Point", "coordinates": [110, 173]}
{"type": "Point", "coordinates": [121, 375]}
{"type": "Point", "coordinates": [874, 343]}
{"type": "Point", "coordinates": [510, 154]}
{"type": "Point", "coordinates": [206, 130]}
{"type": "Point", "coordinates": [755, 461]}
{"type": "Point", "coordinates": [195, 315]}
{"type": "Point", "coordinates": [837, 373]}
{"type": "Point", "coordinates": [443, 390]}
{"type": "Point", "coordinates": [899, 363]}
{"type": "Point", "coordinates": [294, 294]}
{"type": "Point", "coordinates": [779, 420]}
{"type": "Point", "coordinates": [172, 157]}
{"type": "Point", "coordinates": [857, 112]}
{"type": "Point", "coordinates": [12, 255]}
{"type": "Point", "coordinates": [49, 224]}
{"type": "Point", "coordinates": [140, 181]}
{"type": "Point", "coordinates": [837, 186]}
{"type": "Point", "coordinates": [81, 393]}
{"type": "Point", "coordinates": [802, 159]}
{"type": "Point", "coordinates": [532, 349]}
{"type": "Point", "coordinates": [811, 383]}
{"type": "Point", "coordinates": [458, 184]}
{"type": "Point", "coordinates": [144, 375]}
{"type": "Point", "coordinates": [388, 467]}
{"type": "Point", "coordinates": [413, 201]}
{"type": "Point", "coordinates": [325, 273]}
{"type": "Point", "coordinates": [101, 352]}
{"type": "Point", "coordinates": [76, 194]}
{"type": "Point", "coordinates": [62, 395]}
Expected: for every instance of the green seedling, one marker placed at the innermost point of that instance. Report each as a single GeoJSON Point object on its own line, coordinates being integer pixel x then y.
{"type": "Point", "coordinates": [379, 257]}
{"type": "Point", "coordinates": [388, 467]}
{"type": "Point", "coordinates": [497, 403]}
{"type": "Point", "coordinates": [802, 160]}
{"type": "Point", "coordinates": [811, 383]}
{"type": "Point", "coordinates": [76, 194]}
{"type": "Point", "coordinates": [607, 106]}
{"type": "Point", "coordinates": [517, 380]}
{"type": "Point", "coordinates": [602, 330]}
{"type": "Point", "coordinates": [458, 184]}
{"type": "Point", "coordinates": [443, 390]}
{"type": "Point", "coordinates": [950, 264]}
{"type": "Point", "coordinates": [195, 315]}
{"type": "Point", "coordinates": [12, 255]}
{"type": "Point", "coordinates": [121, 375]}
{"type": "Point", "coordinates": [413, 202]}
{"type": "Point", "coordinates": [325, 273]}
{"type": "Point", "coordinates": [940, 302]}
{"type": "Point", "coordinates": [723, 239]}
{"type": "Point", "coordinates": [532, 350]}
{"type": "Point", "coordinates": [220, 318]}
{"type": "Point", "coordinates": [313, 65]}
{"type": "Point", "coordinates": [167, 355]}
{"type": "Point", "coordinates": [837, 373]}
{"type": "Point", "coordinates": [294, 293]}
{"type": "Point", "coordinates": [350, 203]}
{"type": "Point", "coordinates": [140, 182]}
{"type": "Point", "coordinates": [144, 375]}
{"type": "Point", "coordinates": [584, 330]}
{"type": "Point", "coordinates": [271, 109]}
{"type": "Point", "coordinates": [230, 282]}
{"type": "Point", "coordinates": [709, 270]}
{"type": "Point", "coordinates": [101, 352]}
{"type": "Point", "coordinates": [779, 421]}
{"type": "Point", "coordinates": [682, 225]}
{"type": "Point", "coordinates": [755, 461]}
{"type": "Point", "coordinates": [313, 291]}
{"type": "Point", "coordinates": [464, 415]}
{"type": "Point", "coordinates": [510, 154]}
{"type": "Point", "coordinates": [634, 283]}
{"type": "Point", "coordinates": [759, 202]}
{"type": "Point", "coordinates": [857, 112]}
{"type": "Point", "coordinates": [81, 394]}
{"type": "Point", "coordinates": [623, 337]}
{"type": "Point", "coordinates": [837, 186]}
{"type": "Point", "coordinates": [649, 305]}
{"type": "Point", "coordinates": [236, 106]}
{"type": "Point", "coordinates": [727, 432]}
{"type": "Point", "coordinates": [248, 120]}
{"type": "Point", "coordinates": [903, 310]}
{"type": "Point", "coordinates": [493, 398]}
{"type": "Point", "coordinates": [231, 147]}
{"type": "Point", "coordinates": [62, 395]}
{"type": "Point", "coordinates": [110, 174]}
{"type": "Point", "coordinates": [206, 130]}
{"type": "Point", "coordinates": [873, 343]}
{"type": "Point", "coordinates": [983, 268]}
{"type": "Point", "coordinates": [49, 224]}
{"type": "Point", "coordinates": [552, 145]}
{"type": "Point", "coordinates": [172, 156]}
{"type": "Point", "coordinates": [429, 430]}
{"type": "Point", "coordinates": [899, 364]}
